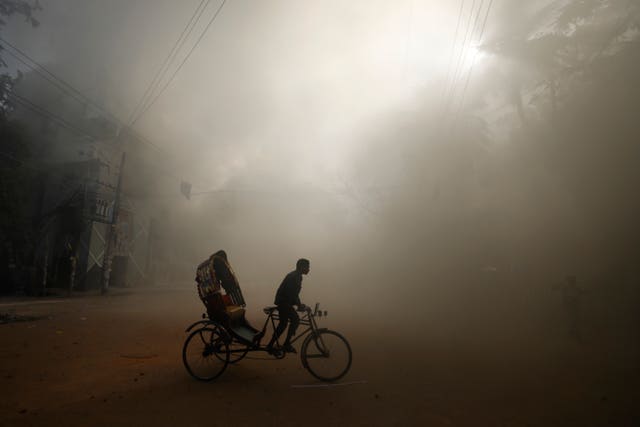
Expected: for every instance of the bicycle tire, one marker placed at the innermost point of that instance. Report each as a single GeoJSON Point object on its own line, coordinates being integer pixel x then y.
{"type": "Point", "coordinates": [202, 347]}
{"type": "Point", "coordinates": [319, 346]}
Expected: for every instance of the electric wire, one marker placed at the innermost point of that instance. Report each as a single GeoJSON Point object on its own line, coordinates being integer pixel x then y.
{"type": "Point", "coordinates": [144, 102]}
{"type": "Point", "coordinates": [63, 123]}
{"type": "Point", "coordinates": [48, 114]}
{"type": "Point", "coordinates": [183, 61]}
{"type": "Point", "coordinates": [45, 77]}
{"type": "Point", "coordinates": [70, 90]}
{"type": "Point", "coordinates": [50, 171]}
{"type": "Point", "coordinates": [55, 80]}
{"type": "Point", "coordinates": [30, 105]}
{"type": "Point", "coordinates": [464, 90]}
{"type": "Point", "coordinates": [466, 32]}
{"type": "Point", "coordinates": [467, 48]}
{"type": "Point", "coordinates": [462, 60]}
{"type": "Point", "coordinates": [186, 31]}
{"type": "Point", "coordinates": [453, 49]}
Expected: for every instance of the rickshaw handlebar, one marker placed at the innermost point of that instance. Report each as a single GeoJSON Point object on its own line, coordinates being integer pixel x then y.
{"type": "Point", "coordinates": [315, 312]}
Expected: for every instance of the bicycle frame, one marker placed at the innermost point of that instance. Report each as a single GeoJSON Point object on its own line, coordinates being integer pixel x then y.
{"type": "Point", "coordinates": [210, 338]}
{"type": "Point", "coordinates": [308, 319]}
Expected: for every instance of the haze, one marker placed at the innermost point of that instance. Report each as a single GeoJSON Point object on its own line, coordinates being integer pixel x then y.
{"type": "Point", "coordinates": [441, 182]}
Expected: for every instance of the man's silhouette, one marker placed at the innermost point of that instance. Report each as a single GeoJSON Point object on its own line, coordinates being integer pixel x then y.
{"type": "Point", "coordinates": [287, 296]}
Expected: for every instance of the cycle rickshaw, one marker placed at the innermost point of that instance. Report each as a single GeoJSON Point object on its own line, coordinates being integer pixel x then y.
{"type": "Point", "coordinates": [225, 337]}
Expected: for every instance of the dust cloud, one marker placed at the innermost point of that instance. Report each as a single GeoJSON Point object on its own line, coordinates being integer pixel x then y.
{"type": "Point", "coordinates": [443, 183]}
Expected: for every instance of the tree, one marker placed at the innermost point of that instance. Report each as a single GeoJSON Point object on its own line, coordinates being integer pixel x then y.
{"type": "Point", "coordinates": [19, 7]}
{"type": "Point", "coordinates": [575, 66]}
{"type": "Point", "coordinates": [9, 8]}
{"type": "Point", "coordinates": [15, 172]}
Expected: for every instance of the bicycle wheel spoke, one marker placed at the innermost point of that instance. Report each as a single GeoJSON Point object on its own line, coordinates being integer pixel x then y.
{"type": "Point", "coordinates": [205, 354]}
{"type": "Point", "coordinates": [237, 352]}
{"type": "Point", "coordinates": [327, 355]}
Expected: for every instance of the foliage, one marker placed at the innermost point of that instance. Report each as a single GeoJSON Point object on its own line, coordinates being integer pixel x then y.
{"type": "Point", "coordinates": [576, 79]}
{"type": "Point", "coordinates": [9, 8]}
{"type": "Point", "coordinates": [16, 174]}
{"type": "Point", "coordinates": [19, 7]}
{"type": "Point", "coordinates": [558, 190]}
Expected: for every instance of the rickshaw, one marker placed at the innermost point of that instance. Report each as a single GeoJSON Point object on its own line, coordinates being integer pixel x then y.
{"type": "Point", "coordinates": [224, 336]}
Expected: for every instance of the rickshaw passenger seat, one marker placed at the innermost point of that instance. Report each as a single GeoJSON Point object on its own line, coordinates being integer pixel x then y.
{"type": "Point", "coordinates": [235, 313]}
{"type": "Point", "coordinates": [246, 333]}
{"type": "Point", "coordinates": [239, 326]}
{"type": "Point", "coordinates": [227, 307]}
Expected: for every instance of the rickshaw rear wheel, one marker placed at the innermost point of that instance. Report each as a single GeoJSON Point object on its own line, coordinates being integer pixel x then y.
{"type": "Point", "coordinates": [205, 353]}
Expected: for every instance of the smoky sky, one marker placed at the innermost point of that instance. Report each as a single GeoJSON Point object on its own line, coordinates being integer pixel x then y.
{"type": "Point", "coordinates": [269, 82]}
{"type": "Point", "coordinates": [332, 130]}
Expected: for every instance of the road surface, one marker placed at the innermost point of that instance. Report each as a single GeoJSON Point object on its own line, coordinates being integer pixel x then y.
{"type": "Point", "coordinates": [116, 361]}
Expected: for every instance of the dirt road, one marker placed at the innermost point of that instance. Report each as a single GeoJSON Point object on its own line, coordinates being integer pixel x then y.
{"type": "Point", "coordinates": [116, 361]}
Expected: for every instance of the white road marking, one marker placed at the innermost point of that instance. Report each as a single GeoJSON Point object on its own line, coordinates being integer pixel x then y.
{"type": "Point", "coordinates": [326, 385]}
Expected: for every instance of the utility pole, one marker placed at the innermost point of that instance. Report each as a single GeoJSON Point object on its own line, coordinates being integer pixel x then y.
{"type": "Point", "coordinates": [149, 270]}
{"type": "Point", "coordinates": [111, 232]}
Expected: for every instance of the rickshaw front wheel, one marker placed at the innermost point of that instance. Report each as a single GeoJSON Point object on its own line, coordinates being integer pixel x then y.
{"type": "Point", "coordinates": [326, 355]}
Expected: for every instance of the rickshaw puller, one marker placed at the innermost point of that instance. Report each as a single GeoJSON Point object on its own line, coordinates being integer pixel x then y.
{"type": "Point", "coordinates": [287, 296]}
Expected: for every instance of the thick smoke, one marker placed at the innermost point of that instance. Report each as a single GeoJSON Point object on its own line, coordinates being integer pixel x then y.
{"type": "Point", "coordinates": [332, 131]}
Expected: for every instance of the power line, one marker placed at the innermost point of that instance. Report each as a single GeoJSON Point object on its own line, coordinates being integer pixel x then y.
{"type": "Point", "coordinates": [64, 123]}
{"type": "Point", "coordinates": [469, 41]}
{"type": "Point", "coordinates": [453, 48]}
{"type": "Point", "coordinates": [473, 31]}
{"type": "Point", "coordinates": [79, 97]}
{"type": "Point", "coordinates": [69, 90]}
{"type": "Point", "coordinates": [55, 80]}
{"type": "Point", "coordinates": [464, 90]}
{"type": "Point", "coordinates": [451, 90]}
{"type": "Point", "coordinates": [466, 32]}
{"type": "Point", "coordinates": [183, 61]}
{"type": "Point", "coordinates": [466, 48]}
{"type": "Point", "coordinates": [54, 171]}
{"type": "Point", "coordinates": [167, 61]}
{"type": "Point", "coordinates": [45, 76]}
{"type": "Point", "coordinates": [61, 122]}
{"type": "Point", "coordinates": [72, 92]}
{"type": "Point", "coordinates": [464, 53]}
{"type": "Point", "coordinates": [48, 114]}
{"type": "Point", "coordinates": [144, 102]}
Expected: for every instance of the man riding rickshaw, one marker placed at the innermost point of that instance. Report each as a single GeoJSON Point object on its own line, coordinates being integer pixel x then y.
{"type": "Point", "coordinates": [226, 337]}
